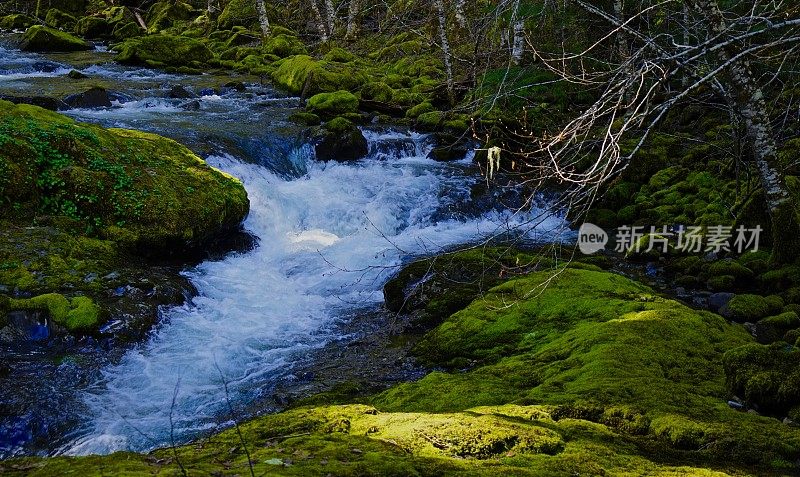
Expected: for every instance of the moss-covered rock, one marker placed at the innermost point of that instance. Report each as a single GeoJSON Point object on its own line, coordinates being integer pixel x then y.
{"type": "Point", "coordinates": [340, 140]}
{"type": "Point", "coordinates": [163, 15]}
{"type": "Point", "coordinates": [60, 20]}
{"type": "Point", "coordinates": [135, 188]}
{"type": "Point", "coordinates": [303, 74]}
{"type": "Point", "coordinates": [766, 376]}
{"type": "Point", "coordinates": [123, 31]}
{"type": "Point", "coordinates": [42, 38]}
{"type": "Point", "coordinates": [238, 13]}
{"type": "Point", "coordinates": [377, 91]}
{"type": "Point", "coordinates": [16, 21]}
{"type": "Point", "coordinates": [80, 313]}
{"type": "Point", "coordinates": [284, 45]}
{"type": "Point", "coordinates": [164, 50]}
{"type": "Point", "coordinates": [333, 104]}
{"type": "Point", "coordinates": [748, 307]}
{"type": "Point", "coordinates": [94, 27]}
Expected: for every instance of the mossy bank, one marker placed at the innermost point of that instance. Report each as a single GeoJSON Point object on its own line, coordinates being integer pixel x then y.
{"type": "Point", "coordinates": [85, 208]}
{"type": "Point", "coordinates": [564, 371]}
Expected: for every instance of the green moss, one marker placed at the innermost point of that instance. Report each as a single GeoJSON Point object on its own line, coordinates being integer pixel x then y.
{"type": "Point", "coordinates": [786, 320]}
{"type": "Point", "coordinates": [124, 31]}
{"type": "Point", "coordinates": [238, 12]}
{"type": "Point", "coordinates": [164, 50]}
{"type": "Point", "coordinates": [303, 74]}
{"type": "Point", "coordinates": [60, 20]}
{"type": "Point", "coordinates": [93, 27]}
{"type": "Point", "coordinates": [730, 267]}
{"type": "Point", "coordinates": [42, 38]}
{"type": "Point", "coordinates": [766, 376]}
{"type": "Point", "coordinates": [421, 108]}
{"type": "Point", "coordinates": [80, 313]}
{"type": "Point", "coordinates": [92, 178]}
{"type": "Point", "coordinates": [284, 45]}
{"type": "Point", "coordinates": [377, 91]}
{"type": "Point", "coordinates": [747, 307]}
{"type": "Point", "coordinates": [430, 121]}
{"type": "Point", "coordinates": [339, 55]}
{"type": "Point", "coordinates": [306, 119]}
{"type": "Point", "coordinates": [333, 104]}
{"type": "Point", "coordinates": [162, 15]}
{"type": "Point", "coordinates": [16, 21]}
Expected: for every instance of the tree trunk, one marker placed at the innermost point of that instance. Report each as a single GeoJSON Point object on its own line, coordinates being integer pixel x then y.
{"type": "Point", "coordinates": [518, 43]}
{"type": "Point", "coordinates": [262, 18]}
{"type": "Point", "coordinates": [321, 25]}
{"type": "Point", "coordinates": [749, 100]}
{"type": "Point", "coordinates": [461, 17]}
{"type": "Point", "coordinates": [448, 65]}
{"type": "Point", "coordinates": [331, 11]}
{"type": "Point", "coordinates": [354, 9]}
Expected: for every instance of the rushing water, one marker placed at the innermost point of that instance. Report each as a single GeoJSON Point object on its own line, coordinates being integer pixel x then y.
{"type": "Point", "coordinates": [330, 234]}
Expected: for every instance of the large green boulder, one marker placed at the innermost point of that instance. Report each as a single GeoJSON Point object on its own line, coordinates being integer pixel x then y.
{"type": "Point", "coordinates": [131, 187]}
{"type": "Point", "coordinates": [164, 50]}
{"type": "Point", "coordinates": [284, 45]}
{"type": "Point", "coordinates": [16, 21]}
{"type": "Point", "coordinates": [60, 20]}
{"type": "Point", "coordinates": [163, 15]}
{"type": "Point", "coordinates": [333, 104]}
{"type": "Point", "coordinates": [93, 27]}
{"type": "Point", "coordinates": [42, 38]}
{"type": "Point", "coordinates": [238, 13]}
{"type": "Point", "coordinates": [302, 74]}
{"type": "Point", "coordinates": [340, 140]}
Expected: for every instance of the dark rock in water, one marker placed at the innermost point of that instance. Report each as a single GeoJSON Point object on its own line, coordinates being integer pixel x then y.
{"type": "Point", "coordinates": [53, 104]}
{"type": "Point", "coordinates": [179, 92]}
{"type": "Point", "coordinates": [207, 92]}
{"type": "Point", "coordinates": [340, 140]}
{"type": "Point", "coordinates": [94, 98]}
{"type": "Point", "coordinates": [719, 300]}
{"type": "Point", "coordinates": [120, 97]}
{"type": "Point", "coordinates": [45, 66]}
{"type": "Point", "coordinates": [75, 74]}
{"type": "Point", "coordinates": [191, 105]}
{"type": "Point", "coordinates": [42, 38]}
{"type": "Point", "coordinates": [447, 153]}
{"type": "Point", "coordinates": [237, 85]}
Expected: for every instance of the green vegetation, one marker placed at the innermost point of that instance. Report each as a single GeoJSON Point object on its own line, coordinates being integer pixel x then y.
{"type": "Point", "coordinates": [164, 50]}
{"type": "Point", "coordinates": [42, 38]}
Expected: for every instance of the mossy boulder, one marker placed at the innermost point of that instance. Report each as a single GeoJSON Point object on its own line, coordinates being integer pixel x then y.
{"type": "Point", "coordinates": [339, 55]}
{"type": "Point", "coordinates": [748, 307]}
{"type": "Point", "coordinates": [377, 91]}
{"type": "Point", "coordinates": [137, 189]}
{"type": "Point", "coordinates": [42, 38]}
{"type": "Point", "coordinates": [284, 45]}
{"type": "Point", "coordinates": [93, 27]}
{"type": "Point", "coordinates": [333, 104]}
{"type": "Point", "coordinates": [124, 31]}
{"type": "Point", "coordinates": [430, 121]}
{"type": "Point", "coordinates": [238, 13]}
{"type": "Point", "coordinates": [766, 376]}
{"type": "Point", "coordinates": [16, 21]}
{"type": "Point", "coordinates": [302, 74]}
{"type": "Point", "coordinates": [340, 140]}
{"type": "Point", "coordinates": [421, 108]}
{"type": "Point", "coordinates": [162, 15]}
{"type": "Point", "coordinates": [57, 19]}
{"type": "Point", "coordinates": [164, 50]}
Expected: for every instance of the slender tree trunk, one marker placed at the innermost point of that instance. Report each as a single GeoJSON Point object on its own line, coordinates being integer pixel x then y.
{"type": "Point", "coordinates": [461, 17]}
{"type": "Point", "coordinates": [331, 11]}
{"type": "Point", "coordinates": [518, 42]}
{"type": "Point", "coordinates": [354, 9]}
{"type": "Point", "coordinates": [448, 64]}
{"type": "Point", "coordinates": [262, 18]}
{"type": "Point", "coordinates": [321, 25]}
{"type": "Point", "coordinates": [749, 100]}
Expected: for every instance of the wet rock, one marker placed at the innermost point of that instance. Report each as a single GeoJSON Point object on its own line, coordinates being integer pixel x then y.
{"type": "Point", "coordinates": [340, 140]}
{"type": "Point", "coordinates": [179, 92]}
{"type": "Point", "coordinates": [93, 98]}
{"type": "Point", "coordinates": [191, 106]}
{"type": "Point", "coordinates": [75, 74]}
{"type": "Point", "coordinates": [236, 85]}
{"type": "Point", "coordinates": [718, 300]}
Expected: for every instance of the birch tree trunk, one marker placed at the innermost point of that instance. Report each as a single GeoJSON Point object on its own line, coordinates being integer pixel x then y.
{"type": "Point", "coordinates": [331, 17]}
{"type": "Point", "coordinates": [262, 18]}
{"type": "Point", "coordinates": [448, 65]}
{"type": "Point", "coordinates": [461, 17]}
{"type": "Point", "coordinates": [518, 42]}
{"type": "Point", "coordinates": [749, 100]}
{"type": "Point", "coordinates": [321, 25]}
{"type": "Point", "coordinates": [354, 8]}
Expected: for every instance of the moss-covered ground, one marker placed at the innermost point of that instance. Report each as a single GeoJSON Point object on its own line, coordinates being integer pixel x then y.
{"type": "Point", "coordinates": [565, 371]}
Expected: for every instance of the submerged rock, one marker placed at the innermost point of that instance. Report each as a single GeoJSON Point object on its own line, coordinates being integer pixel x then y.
{"type": "Point", "coordinates": [42, 38]}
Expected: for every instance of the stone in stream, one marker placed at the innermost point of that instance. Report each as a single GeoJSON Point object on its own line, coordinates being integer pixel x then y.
{"type": "Point", "coordinates": [719, 300]}
{"type": "Point", "coordinates": [75, 74]}
{"type": "Point", "coordinates": [340, 140]}
{"type": "Point", "coordinates": [42, 38]}
{"type": "Point", "coordinates": [179, 92]}
{"type": "Point", "coordinates": [93, 98]}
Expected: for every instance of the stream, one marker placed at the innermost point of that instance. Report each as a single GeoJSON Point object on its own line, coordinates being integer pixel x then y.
{"type": "Point", "coordinates": [329, 236]}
